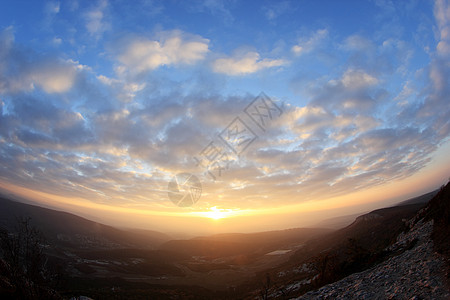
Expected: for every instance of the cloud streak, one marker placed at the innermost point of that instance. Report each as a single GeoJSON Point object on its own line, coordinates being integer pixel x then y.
{"type": "Point", "coordinates": [245, 63]}
{"type": "Point", "coordinates": [173, 48]}
{"type": "Point", "coordinates": [310, 44]}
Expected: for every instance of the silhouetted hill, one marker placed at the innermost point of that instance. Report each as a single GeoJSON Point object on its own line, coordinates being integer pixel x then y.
{"type": "Point", "coordinates": [420, 199]}
{"type": "Point", "coordinates": [439, 210]}
{"type": "Point", "coordinates": [343, 221]}
{"type": "Point", "coordinates": [67, 229]}
{"type": "Point", "coordinates": [337, 222]}
{"type": "Point", "coordinates": [372, 231]}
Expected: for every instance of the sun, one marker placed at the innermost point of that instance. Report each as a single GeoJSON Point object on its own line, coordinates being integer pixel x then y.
{"type": "Point", "coordinates": [217, 213]}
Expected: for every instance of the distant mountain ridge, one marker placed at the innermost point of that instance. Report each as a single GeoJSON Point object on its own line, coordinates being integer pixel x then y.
{"type": "Point", "coordinates": [66, 228]}
{"type": "Point", "coordinates": [419, 199]}
{"type": "Point", "coordinates": [342, 221]}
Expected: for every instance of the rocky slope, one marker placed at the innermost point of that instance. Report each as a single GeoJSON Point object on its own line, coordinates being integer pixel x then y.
{"type": "Point", "coordinates": [417, 273]}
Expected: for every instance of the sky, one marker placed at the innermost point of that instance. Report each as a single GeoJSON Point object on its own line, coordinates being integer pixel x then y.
{"type": "Point", "coordinates": [275, 113]}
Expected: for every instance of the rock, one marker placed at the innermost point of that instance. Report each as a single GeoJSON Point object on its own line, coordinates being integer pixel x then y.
{"type": "Point", "coordinates": [415, 274]}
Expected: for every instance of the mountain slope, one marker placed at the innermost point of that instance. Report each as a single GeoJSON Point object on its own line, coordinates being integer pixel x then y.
{"type": "Point", "coordinates": [415, 266]}
{"type": "Point", "coordinates": [67, 229]}
{"type": "Point", "coordinates": [343, 221]}
{"type": "Point", "coordinates": [425, 198]}
{"type": "Point", "coordinates": [414, 274]}
{"type": "Point", "coordinates": [329, 258]}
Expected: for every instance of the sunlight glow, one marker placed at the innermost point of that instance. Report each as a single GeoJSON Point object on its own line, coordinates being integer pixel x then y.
{"type": "Point", "coordinates": [218, 213]}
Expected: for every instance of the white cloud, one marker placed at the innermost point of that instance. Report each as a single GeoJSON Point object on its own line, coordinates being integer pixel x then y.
{"type": "Point", "coordinates": [358, 43]}
{"type": "Point", "coordinates": [95, 19]}
{"type": "Point", "coordinates": [355, 90]}
{"type": "Point", "coordinates": [173, 48]}
{"type": "Point", "coordinates": [6, 42]}
{"type": "Point", "coordinates": [406, 92]}
{"type": "Point", "coordinates": [442, 15]}
{"type": "Point", "coordinates": [276, 9]}
{"type": "Point", "coordinates": [52, 7]}
{"type": "Point", "coordinates": [106, 80]}
{"type": "Point", "coordinates": [215, 7]}
{"type": "Point", "coordinates": [357, 79]}
{"type": "Point", "coordinates": [31, 70]}
{"type": "Point", "coordinates": [57, 41]}
{"type": "Point", "coordinates": [247, 63]}
{"type": "Point", "coordinates": [54, 78]}
{"type": "Point", "coordinates": [308, 45]}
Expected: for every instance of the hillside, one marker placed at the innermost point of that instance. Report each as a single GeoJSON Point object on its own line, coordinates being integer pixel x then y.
{"type": "Point", "coordinates": [65, 229]}
{"type": "Point", "coordinates": [425, 198]}
{"type": "Point", "coordinates": [343, 221]}
{"type": "Point", "coordinates": [414, 266]}
{"type": "Point", "coordinates": [417, 273]}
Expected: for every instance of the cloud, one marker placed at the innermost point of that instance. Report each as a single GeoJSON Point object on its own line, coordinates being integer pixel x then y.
{"type": "Point", "coordinates": [96, 24]}
{"type": "Point", "coordinates": [6, 44]}
{"type": "Point", "coordinates": [357, 79]}
{"type": "Point", "coordinates": [354, 91]}
{"type": "Point", "coordinates": [57, 41]}
{"type": "Point", "coordinates": [434, 110]}
{"type": "Point", "coordinates": [310, 44]}
{"type": "Point", "coordinates": [80, 153]}
{"type": "Point", "coordinates": [52, 7]}
{"type": "Point", "coordinates": [42, 123]}
{"type": "Point", "coordinates": [442, 14]}
{"type": "Point", "coordinates": [321, 163]}
{"type": "Point", "coordinates": [245, 63]}
{"type": "Point", "coordinates": [24, 70]}
{"type": "Point", "coordinates": [357, 43]}
{"type": "Point", "coordinates": [274, 10]}
{"type": "Point", "coordinates": [173, 48]}
{"type": "Point", "coordinates": [54, 78]}
{"type": "Point", "coordinates": [218, 8]}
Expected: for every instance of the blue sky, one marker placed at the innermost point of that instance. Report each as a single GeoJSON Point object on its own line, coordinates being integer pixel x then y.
{"type": "Point", "coordinates": [108, 100]}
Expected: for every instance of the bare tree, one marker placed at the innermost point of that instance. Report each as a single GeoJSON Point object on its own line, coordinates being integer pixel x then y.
{"type": "Point", "coordinates": [24, 261]}
{"type": "Point", "coordinates": [264, 292]}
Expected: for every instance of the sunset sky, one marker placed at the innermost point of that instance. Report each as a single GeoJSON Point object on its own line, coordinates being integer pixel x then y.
{"type": "Point", "coordinates": [103, 102]}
